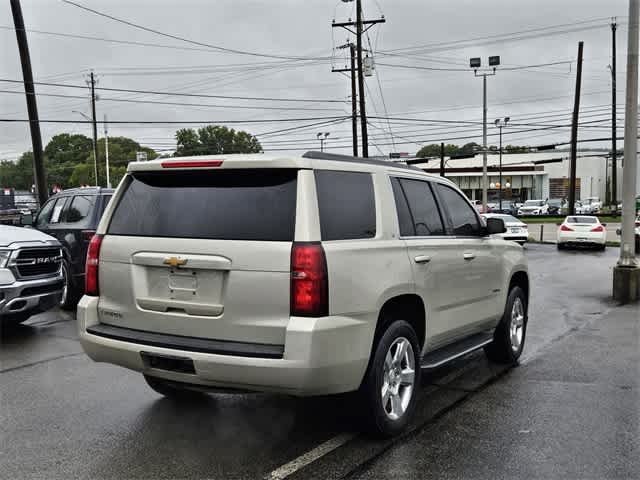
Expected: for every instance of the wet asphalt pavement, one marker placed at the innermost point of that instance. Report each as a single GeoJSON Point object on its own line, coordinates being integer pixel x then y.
{"type": "Point", "coordinates": [570, 410]}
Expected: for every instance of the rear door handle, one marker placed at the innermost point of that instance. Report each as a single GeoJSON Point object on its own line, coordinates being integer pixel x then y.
{"type": "Point", "coordinates": [422, 259]}
{"type": "Point", "coordinates": [468, 256]}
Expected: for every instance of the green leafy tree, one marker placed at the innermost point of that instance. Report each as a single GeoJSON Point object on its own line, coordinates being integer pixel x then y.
{"type": "Point", "coordinates": [433, 150]}
{"type": "Point", "coordinates": [18, 174]}
{"type": "Point", "coordinates": [215, 139]}
{"type": "Point", "coordinates": [515, 149]}
{"type": "Point", "coordinates": [68, 148]}
{"type": "Point", "coordinates": [470, 147]}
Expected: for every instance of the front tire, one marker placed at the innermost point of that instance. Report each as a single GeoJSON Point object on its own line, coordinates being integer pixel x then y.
{"type": "Point", "coordinates": [509, 335]}
{"type": "Point", "coordinates": [390, 387]}
{"type": "Point", "coordinates": [70, 296]}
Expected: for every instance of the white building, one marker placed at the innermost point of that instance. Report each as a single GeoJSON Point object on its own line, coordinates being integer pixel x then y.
{"type": "Point", "coordinates": [527, 176]}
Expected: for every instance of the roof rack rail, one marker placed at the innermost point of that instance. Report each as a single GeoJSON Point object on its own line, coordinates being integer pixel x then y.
{"type": "Point", "coordinates": [348, 158]}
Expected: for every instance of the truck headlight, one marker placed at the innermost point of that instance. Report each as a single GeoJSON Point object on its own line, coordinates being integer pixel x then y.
{"type": "Point", "coordinates": [4, 257]}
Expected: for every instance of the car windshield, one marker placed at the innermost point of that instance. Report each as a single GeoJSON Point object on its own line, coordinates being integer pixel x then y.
{"type": "Point", "coordinates": [582, 220]}
{"type": "Point", "coordinates": [555, 202]}
{"type": "Point", "coordinates": [510, 219]}
{"type": "Point", "coordinates": [533, 203]}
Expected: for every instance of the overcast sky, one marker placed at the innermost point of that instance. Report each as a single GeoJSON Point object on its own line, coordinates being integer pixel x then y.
{"type": "Point", "coordinates": [302, 28]}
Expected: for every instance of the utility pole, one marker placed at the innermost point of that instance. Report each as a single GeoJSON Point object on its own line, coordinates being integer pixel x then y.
{"type": "Point", "coordinates": [626, 274]}
{"type": "Point", "coordinates": [614, 163]}
{"type": "Point", "coordinates": [442, 159]}
{"type": "Point", "coordinates": [354, 95]}
{"type": "Point", "coordinates": [32, 106]}
{"type": "Point", "coordinates": [360, 30]}
{"type": "Point", "coordinates": [574, 133]}
{"type": "Point", "coordinates": [92, 82]}
{"type": "Point", "coordinates": [500, 123]}
{"type": "Point", "coordinates": [106, 150]}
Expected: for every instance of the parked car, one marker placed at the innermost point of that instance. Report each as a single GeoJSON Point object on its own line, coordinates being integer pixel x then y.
{"type": "Point", "coordinates": [591, 205]}
{"type": "Point", "coordinates": [30, 273]}
{"type": "Point", "coordinates": [72, 217]}
{"type": "Point", "coordinates": [637, 234]}
{"type": "Point", "coordinates": [556, 206]}
{"type": "Point", "coordinates": [303, 275]}
{"type": "Point", "coordinates": [517, 231]}
{"type": "Point", "coordinates": [582, 230]}
{"type": "Point", "coordinates": [534, 207]}
{"type": "Point", "coordinates": [508, 208]}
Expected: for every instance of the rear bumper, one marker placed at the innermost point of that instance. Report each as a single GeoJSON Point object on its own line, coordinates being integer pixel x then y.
{"type": "Point", "coordinates": [321, 356]}
{"type": "Point", "coordinates": [582, 238]}
{"type": "Point", "coordinates": [30, 296]}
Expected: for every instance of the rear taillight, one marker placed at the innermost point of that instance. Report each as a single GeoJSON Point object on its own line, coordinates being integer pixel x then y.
{"type": "Point", "coordinates": [87, 235]}
{"type": "Point", "coordinates": [91, 286]}
{"type": "Point", "coordinates": [599, 228]}
{"type": "Point", "coordinates": [309, 282]}
{"type": "Point", "coordinates": [564, 228]}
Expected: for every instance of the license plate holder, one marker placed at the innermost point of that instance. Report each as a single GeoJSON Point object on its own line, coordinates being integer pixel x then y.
{"type": "Point", "coordinates": [168, 363]}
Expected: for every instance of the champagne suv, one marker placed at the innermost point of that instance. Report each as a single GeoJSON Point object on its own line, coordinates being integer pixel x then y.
{"type": "Point", "coordinates": [309, 275]}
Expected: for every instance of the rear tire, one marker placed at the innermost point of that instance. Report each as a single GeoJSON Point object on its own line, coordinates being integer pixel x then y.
{"type": "Point", "coordinates": [561, 246]}
{"type": "Point", "coordinates": [390, 388]}
{"type": "Point", "coordinates": [171, 389]}
{"type": "Point", "coordinates": [509, 335]}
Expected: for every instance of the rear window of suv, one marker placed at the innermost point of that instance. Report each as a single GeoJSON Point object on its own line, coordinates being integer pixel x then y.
{"type": "Point", "coordinates": [258, 204]}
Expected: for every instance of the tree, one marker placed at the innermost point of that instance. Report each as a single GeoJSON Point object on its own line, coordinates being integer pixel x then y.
{"type": "Point", "coordinates": [515, 149]}
{"type": "Point", "coordinates": [19, 174]}
{"type": "Point", "coordinates": [433, 150]}
{"type": "Point", "coordinates": [471, 147]}
{"type": "Point", "coordinates": [213, 140]}
{"type": "Point", "coordinates": [68, 148]}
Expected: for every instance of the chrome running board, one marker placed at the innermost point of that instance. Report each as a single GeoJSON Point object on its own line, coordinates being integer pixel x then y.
{"type": "Point", "coordinates": [463, 347]}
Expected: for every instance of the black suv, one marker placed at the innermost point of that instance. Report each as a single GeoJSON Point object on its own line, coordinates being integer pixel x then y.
{"type": "Point", "coordinates": [72, 217]}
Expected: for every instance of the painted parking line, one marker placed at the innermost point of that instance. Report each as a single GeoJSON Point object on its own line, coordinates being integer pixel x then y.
{"type": "Point", "coordinates": [311, 456]}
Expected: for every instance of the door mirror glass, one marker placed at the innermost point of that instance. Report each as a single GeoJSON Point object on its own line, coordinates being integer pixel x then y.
{"type": "Point", "coordinates": [26, 220]}
{"type": "Point", "coordinates": [495, 226]}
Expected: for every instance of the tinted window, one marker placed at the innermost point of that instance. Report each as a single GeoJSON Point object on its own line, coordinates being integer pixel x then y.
{"type": "Point", "coordinates": [582, 220]}
{"type": "Point", "coordinates": [105, 202]}
{"type": "Point", "coordinates": [80, 208]}
{"type": "Point", "coordinates": [346, 203]}
{"type": "Point", "coordinates": [405, 220]}
{"type": "Point", "coordinates": [45, 214]}
{"type": "Point", "coordinates": [463, 216]}
{"type": "Point", "coordinates": [227, 204]}
{"type": "Point", "coordinates": [59, 210]}
{"type": "Point", "coordinates": [424, 210]}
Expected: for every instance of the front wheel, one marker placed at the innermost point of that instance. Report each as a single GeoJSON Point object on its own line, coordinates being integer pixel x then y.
{"type": "Point", "coordinates": [509, 335]}
{"type": "Point", "coordinates": [391, 383]}
{"type": "Point", "coordinates": [69, 298]}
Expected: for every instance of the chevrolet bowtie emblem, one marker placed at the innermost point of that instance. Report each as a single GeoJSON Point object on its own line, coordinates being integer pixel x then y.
{"type": "Point", "coordinates": [174, 262]}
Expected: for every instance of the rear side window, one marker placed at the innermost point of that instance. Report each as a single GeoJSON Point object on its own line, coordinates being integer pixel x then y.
{"type": "Point", "coordinates": [257, 204]}
{"type": "Point", "coordinates": [425, 217]}
{"type": "Point", "coordinates": [347, 205]}
{"type": "Point", "coordinates": [463, 216]}
{"type": "Point", "coordinates": [80, 208]}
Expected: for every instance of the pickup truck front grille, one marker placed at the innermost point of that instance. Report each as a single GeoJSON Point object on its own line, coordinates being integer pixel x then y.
{"type": "Point", "coordinates": [36, 262]}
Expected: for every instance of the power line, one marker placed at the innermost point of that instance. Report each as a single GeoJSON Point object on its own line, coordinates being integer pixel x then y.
{"type": "Point", "coordinates": [187, 40]}
{"type": "Point", "coordinates": [151, 92]}
{"type": "Point", "coordinates": [522, 67]}
{"type": "Point", "coordinates": [171, 122]}
{"type": "Point", "coordinates": [202, 105]}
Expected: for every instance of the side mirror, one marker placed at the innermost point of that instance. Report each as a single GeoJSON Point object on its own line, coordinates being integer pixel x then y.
{"type": "Point", "coordinates": [26, 220]}
{"type": "Point", "coordinates": [603, 224]}
{"type": "Point", "coordinates": [558, 224]}
{"type": "Point", "coordinates": [495, 226]}
{"type": "Point", "coordinates": [618, 231]}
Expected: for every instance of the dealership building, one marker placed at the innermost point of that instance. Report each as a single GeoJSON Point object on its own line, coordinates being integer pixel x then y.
{"type": "Point", "coordinates": [526, 176]}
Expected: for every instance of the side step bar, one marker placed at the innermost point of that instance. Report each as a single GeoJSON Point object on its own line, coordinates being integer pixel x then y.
{"type": "Point", "coordinates": [446, 354]}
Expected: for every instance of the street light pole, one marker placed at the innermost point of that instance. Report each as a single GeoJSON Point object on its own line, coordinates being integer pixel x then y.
{"type": "Point", "coordinates": [106, 150]}
{"type": "Point", "coordinates": [322, 137]}
{"type": "Point", "coordinates": [475, 63]}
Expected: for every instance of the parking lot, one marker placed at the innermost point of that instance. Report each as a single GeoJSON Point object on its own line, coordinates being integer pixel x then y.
{"type": "Point", "coordinates": [64, 416]}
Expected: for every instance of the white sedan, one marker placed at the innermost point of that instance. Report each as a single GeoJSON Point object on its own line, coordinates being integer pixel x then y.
{"type": "Point", "coordinates": [582, 230]}
{"type": "Point", "coordinates": [517, 230]}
